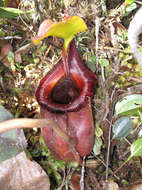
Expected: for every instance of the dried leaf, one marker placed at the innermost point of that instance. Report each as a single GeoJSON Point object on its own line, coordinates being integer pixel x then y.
{"type": "Point", "coordinates": [112, 185]}
{"type": "Point", "coordinates": [11, 3]}
{"type": "Point", "coordinates": [75, 182]}
{"type": "Point", "coordinates": [17, 57]}
{"type": "Point", "coordinates": [19, 173]}
{"type": "Point", "coordinates": [7, 47]}
{"type": "Point", "coordinates": [137, 187]}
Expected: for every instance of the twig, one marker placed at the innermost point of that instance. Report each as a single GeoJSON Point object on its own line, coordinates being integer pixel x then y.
{"type": "Point", "coordinates": [103, 4]}
{"type": "Point", "coordinates": [63, 181]}
{"type": "Point", "coordinates": [138, 80]}
{"type": "Point", "coordinates": [139, 2]}
{"type": "Point", "coordinates": [105, 166]}
{"type": "Point", "coordinates": [108, 152]}
{"type": "Point", "coordinates": [109, 144]}
{"type": "Point", "coordinates": [24, 48]}
{"type": "Point", "coordinates": [29, 27]}
{"type": "Point", "coordinates": [106, 97]}
{"type": "Point", "coordinates": [103, 74]}
{"type": "Point", "coordinates": [119, 168]}
{"type": "Point", "coordinates": [94, 179]}
{"type": "Point", "coordinates": [97, 21]}
{"type": "Point", "coordinates": [10, 38]}
{"type": "Point", "coordinates": [69, 175]}
{"type": "Point", "coordinates": [113, 49]}
{"type": "Point", "coordinates": [37, 10]}
{"type": "Point", "coordinates": [127, 141]}
{"type": "Point", "coordinates": [135, 88]}
{"type": "Point", "coordinates": [82, 174]}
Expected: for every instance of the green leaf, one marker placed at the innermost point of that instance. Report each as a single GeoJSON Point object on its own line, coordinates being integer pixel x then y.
{"type": "Point", "coordinates": [122, 127]}
{"type": "Point", "coordinates": [97, 145]}
{"type": "Point", "coordinates": [10, 56]}
{"type": "Point", "coordinates": [131, 7]}
{"type": "Point", "coordinates": [136, 148]}
{"type": "Point", "coordinates": [128, 2]}
{"type": "Point", "coordinates": [140, 115]}
{"type": "Point", "coordinates": [98, 130]}
{"type": "Point", "coordinates": [11, 13]}
{"type": "Point", "coordinates": [140, 49]}
{"type": "Point", "coordinates": [129, 105]}
{"type": "Point", "coordinates": [13, 141]}
{"type": "Point", "coordinates": [4, 114]}
{"type": "Point", "coordinates": [93, 59]}
{"type": "Point", "coordinates": [104, 62]}
{"type": "Point", "coordinates": [65, 29]}
{"type": "Point", "coordinates": [1, 3]}
{"type": "Point", "coordinates": [140, 133]}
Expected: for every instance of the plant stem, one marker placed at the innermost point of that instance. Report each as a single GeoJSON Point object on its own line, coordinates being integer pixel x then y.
{"type": "Point", "coordinates": [39, 123]}
{"type": "Point", "coordinates": [119, 168]}
{"type": "Point", "coordinates": [108, 152]}
{"type": "Point", "coordinates": [32, 123]}
{"type": "Point", "coordinates": [82, 174]}
{"type": "Point", "coordinates": [97, 22]}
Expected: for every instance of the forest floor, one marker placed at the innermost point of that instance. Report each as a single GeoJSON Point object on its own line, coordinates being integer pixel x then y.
{"type": "Point", "coordinates": [118, 75]}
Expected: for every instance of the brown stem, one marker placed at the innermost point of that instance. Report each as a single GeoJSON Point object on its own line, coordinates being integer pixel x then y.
{"type": "Point", "coordinates": [39, 123]}
{"type": "Point", "coordinates": [119, 168]}
{"type": "Point", "coordinates": [32, 123]}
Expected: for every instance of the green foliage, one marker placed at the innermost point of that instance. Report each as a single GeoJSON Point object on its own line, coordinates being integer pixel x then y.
{"type": "Point", "coordinates": [98, 141]}
{"type": "Point", "coordinates": [104, 62]}
{"type": "Point", "coordinates": [10, 56]}
{"type": "Point", "coordinates": [130, 105]}
{"type": "Point", "coordinates": [122, 127]}
{"type": "Point", "coordinates": [4, 114]}
{"type": "Point", "coordinates": [11, 13]}
{"type": "Point", "coordinates": [1, 3]}
{"type": "Point", "coordinates": [128, 2]}
{"type": "Point", "coordinates": [51, 165]}
{"type": "Point", "coordinates": [9, 145]}
{"type": "Point", "coordinates": [136, 148]}
{"type": "Point", "coordinates": [130, 8]}
{"type": "Point", "coordinates": [97, 145]}
{"type": "Point", "coordinates": [98, 130]}
{"type": "Point", "coordinates": [93, 59]}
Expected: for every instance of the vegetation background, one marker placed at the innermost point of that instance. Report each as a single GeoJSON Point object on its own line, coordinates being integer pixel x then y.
{"type": "Point", "coordinates": [105, 49]}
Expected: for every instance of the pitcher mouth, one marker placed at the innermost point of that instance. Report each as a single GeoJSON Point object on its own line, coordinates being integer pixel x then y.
{"type": "Point", "coordinates": [63, 92]}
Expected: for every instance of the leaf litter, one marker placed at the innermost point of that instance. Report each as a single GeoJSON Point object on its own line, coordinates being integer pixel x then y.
{"type": "Point", "coordinates": [17, 87]}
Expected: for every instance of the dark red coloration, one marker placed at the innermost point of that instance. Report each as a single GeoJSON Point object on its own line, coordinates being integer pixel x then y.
{"type": "Point", "coordinates": [65, 91]}
{"type": "Point", "coordinates": [64, 95]}
{"type": "Point", "coordinates": [83, 78]}
{"type": "Point", "coordinates": [78, 125]}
